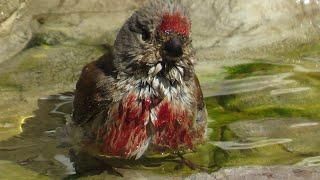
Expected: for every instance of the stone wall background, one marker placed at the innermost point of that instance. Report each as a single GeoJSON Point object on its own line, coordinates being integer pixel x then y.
{"type": "Point", "coordinates": [221, 28]}
{"type": "Point", "coordinates": [45, 43]}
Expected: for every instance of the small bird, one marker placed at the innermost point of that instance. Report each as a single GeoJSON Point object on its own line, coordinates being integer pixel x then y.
{"type": "Point", "coordinates": [144, 94]}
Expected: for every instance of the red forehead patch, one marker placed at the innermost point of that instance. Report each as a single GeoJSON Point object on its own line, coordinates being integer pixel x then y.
{"type": "Point", "coordinates": [174, 23]}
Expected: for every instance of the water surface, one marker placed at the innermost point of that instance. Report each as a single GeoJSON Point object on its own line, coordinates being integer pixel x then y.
{"type": "Point", "coordinates": [261, 112]}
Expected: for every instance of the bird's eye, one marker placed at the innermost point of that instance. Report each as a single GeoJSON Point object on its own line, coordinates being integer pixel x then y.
{"type": "Point", "coordinates": [146, 35]}
{"type": "Point", "coordinates": [142, 31]}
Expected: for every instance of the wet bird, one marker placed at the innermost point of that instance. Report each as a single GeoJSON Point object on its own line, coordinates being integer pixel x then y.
{"type": "Point", "coordinates": [144, 93]}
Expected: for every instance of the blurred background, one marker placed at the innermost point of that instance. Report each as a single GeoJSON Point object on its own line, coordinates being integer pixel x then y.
{"type": "Point", "coordinates": [258, 63]}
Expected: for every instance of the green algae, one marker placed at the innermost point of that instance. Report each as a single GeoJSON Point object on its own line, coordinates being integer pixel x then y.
{"type": "Point", "coordinates": [297, 97]}
{"type": "Point", "coordinates": [46, 65]}
{"type": "Point", "coordinates": [37, 72]}
{"type": "Point", "coordinates": [302, 51]}
{"type": "Point", "coordinates": [10, 170]}
{"type": "Point", "coordinates": [255, 69]}
{"type": "Point", "coordinates": [265, 156]}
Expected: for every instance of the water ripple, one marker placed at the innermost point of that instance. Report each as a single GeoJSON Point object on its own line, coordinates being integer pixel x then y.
{"type": "Point", "coordinates": [310, 162]}
{"type": "Point", "coordinates": [232, 145]}
{"type": "Point", "coordinates": [250, 84]}
{"type": "Point", "coordinates": [289, 91]}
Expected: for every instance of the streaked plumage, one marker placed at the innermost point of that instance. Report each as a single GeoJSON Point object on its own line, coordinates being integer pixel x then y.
{"type": "Point", "coordinates": [144, 94]}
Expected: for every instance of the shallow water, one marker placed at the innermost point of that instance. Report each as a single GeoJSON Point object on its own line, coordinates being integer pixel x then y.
{"type": "Point", "coordinates": [261, 112]}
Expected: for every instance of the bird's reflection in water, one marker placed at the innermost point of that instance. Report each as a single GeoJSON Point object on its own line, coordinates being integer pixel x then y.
{"type": "Point", "coordinates": [37, 147]}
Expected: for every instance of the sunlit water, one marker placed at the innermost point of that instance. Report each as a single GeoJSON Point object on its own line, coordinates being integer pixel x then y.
{"type": "Point", "coordinates": [261, 112]}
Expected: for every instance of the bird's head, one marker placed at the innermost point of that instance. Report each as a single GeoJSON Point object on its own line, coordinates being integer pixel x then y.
{"type": "Point", "coordinates": [156, 41]}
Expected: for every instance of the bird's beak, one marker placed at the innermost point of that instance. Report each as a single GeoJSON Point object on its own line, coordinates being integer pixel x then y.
{"type": "Point", "coordinates": [173, 48]}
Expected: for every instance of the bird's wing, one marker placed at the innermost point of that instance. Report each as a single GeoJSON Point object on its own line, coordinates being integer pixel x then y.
{"type": "Point", "coordinates": [198, 93]}
{"type": "Point", "coordinates": [94, 89]}
{"type": "Point", "coordinates": [202, 112]}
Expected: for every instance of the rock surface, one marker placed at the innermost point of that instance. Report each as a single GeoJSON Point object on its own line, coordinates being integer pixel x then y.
{"type": "Point", "coordinates": [57, 21]}
{"type": "Point", "coordinates": [228, 26]}
{"type": "Point", "coordinates": [220, 28]}
{"type": "Point", "coordinates": [261, 173]}
{"type": "Point", "coordinates": [14, 30]}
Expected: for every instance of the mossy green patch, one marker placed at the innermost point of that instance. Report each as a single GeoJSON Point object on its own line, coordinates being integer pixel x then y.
{"type": "Point", "coordinates": [303, 50]}
{"type": "Point", "coordinates": [269, 155]}
{"type": "Point", "coordinates": [295, 96]}
{"type": "Point", "coordinates": [7, 85]}
{"type": "Point", "coordinates": [311, 79]}
{"type": "Point", "coordinates": [53, 38]}
{"type": "Point", "coordinates": [10, 170]}
{"type": "Point", "coordinates": [45, 65]}
{"type": "Point", "coordinates": [255, 69]}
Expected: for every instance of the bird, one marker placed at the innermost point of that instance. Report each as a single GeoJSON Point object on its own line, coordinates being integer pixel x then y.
{"type": "Point", "coordinates": [143, 94]}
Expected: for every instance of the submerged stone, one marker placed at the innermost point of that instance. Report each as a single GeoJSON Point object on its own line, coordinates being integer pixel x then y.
{"type": "Point", "coordinates": [302, 132]}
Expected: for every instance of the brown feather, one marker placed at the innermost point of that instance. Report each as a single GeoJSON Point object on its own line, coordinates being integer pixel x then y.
{"type": "Point", "coordinates": [93, 89]}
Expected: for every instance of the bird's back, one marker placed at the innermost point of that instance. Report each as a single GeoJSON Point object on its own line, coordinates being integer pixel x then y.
{"type": "Point", "coordinates": [94, 89]}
